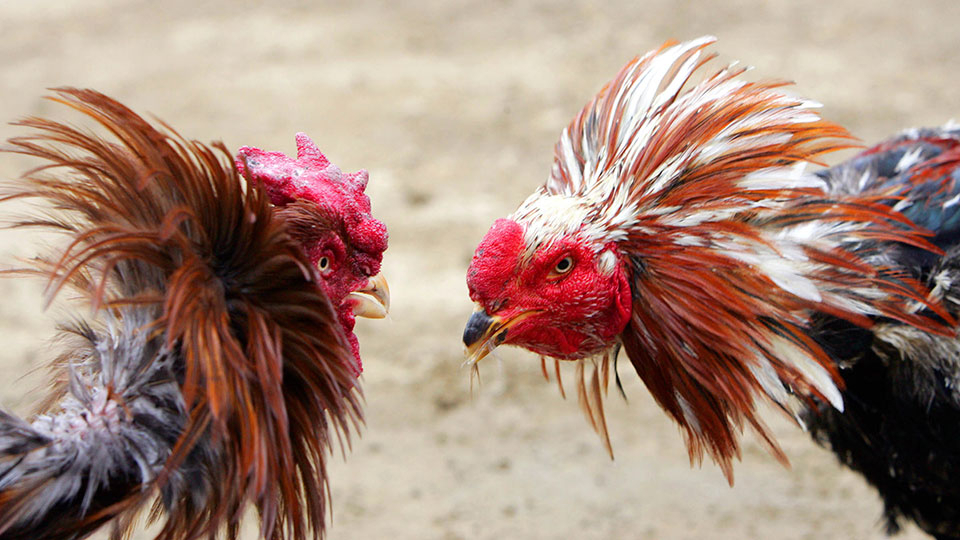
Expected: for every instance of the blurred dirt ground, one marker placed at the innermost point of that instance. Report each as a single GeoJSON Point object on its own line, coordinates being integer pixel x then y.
{"type": "Point", "coordinates": [454, 107]}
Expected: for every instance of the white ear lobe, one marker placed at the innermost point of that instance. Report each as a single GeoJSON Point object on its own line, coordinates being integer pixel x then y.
{"type": "Point", "coordinates": [607, 262]}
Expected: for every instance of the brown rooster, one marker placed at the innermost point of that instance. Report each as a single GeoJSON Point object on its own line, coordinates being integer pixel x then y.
{"type": "Point", "coordinates": [679, 224]}
{"type": "Point", "coordinates": [218, 363]}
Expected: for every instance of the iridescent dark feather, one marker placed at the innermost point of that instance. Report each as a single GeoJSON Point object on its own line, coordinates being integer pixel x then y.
{"type": "Point", "coordinates": [917, 172]}
{"type": "Point", "coordinates": [213, 372]}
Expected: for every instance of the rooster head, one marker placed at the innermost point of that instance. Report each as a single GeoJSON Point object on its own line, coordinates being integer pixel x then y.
{"type": "Point", "coordinates": [564, 295]}
{"type": "Point", "coordinates": [328, 213]}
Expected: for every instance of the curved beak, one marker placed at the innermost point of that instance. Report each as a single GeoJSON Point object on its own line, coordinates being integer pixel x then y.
{"type": "Point", "coordinates": [372, 300]}
{"type": "Point", "coordinates": [484, 332]}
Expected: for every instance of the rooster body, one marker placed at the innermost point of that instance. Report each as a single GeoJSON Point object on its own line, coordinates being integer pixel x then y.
{"type": "Point", "coordinates": [213, 372]}
{"type": "Point", "coordinates": [680, 225]}
{"type": "Point", "coordinates": [900, 427]}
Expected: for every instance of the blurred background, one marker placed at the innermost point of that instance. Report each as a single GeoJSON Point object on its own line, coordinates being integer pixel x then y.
{"type": "Point", "coordinates": [453, 107]}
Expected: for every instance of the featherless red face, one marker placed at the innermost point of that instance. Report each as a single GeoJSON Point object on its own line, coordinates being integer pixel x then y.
{"type": "Point", "coordinates": [568, 298]}
{"type": "Point", "coordinates": [329, 215]}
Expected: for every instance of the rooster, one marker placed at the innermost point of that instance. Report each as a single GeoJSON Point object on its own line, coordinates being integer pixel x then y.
{"type": "Point", "coordinates": [679, 224]}
{"type": "Point", "coordinates": [217, 362]}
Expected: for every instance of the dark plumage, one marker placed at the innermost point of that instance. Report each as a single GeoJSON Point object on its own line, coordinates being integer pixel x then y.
{"type": "Point", "coordinates": [213, 372]}
{"type": "Point", "coordinates": [901, 425]}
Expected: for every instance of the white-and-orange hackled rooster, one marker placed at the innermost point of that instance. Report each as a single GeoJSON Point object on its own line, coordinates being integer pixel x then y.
{"type": "Point", "coordinates": [680, 225]}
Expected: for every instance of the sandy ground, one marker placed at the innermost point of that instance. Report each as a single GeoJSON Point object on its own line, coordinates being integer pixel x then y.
{"type": "Point", "coordinates": [454, 107]}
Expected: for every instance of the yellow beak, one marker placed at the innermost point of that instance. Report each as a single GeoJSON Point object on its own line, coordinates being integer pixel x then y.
{"type": "Point", "coordinates": [372, 300]}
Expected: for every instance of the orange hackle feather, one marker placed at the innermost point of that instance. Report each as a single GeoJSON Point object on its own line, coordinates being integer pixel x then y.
{"type": "Point", "coordinates": [154, 219]}
{"type": "Point", "coordinates": [724, 275]}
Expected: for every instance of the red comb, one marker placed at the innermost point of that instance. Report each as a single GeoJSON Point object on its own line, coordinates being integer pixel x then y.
{"type": "Point", "coordinates": [310, 176]}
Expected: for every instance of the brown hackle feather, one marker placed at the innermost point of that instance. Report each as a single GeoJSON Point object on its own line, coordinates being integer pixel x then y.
{"type": "Point", "coordinates": [159, 221]}
{"type": "Point", "coordinates": [556, 369]}
{"type": "Point", "coordinates": [591, 401]}
{"type": "Point", "coordinates": [671, 185]}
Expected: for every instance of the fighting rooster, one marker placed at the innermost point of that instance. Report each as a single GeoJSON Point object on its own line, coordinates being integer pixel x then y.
{"type": "Point", "coordinates": [679, 224]}
{"type": "Point", "coordinates": [216, 364]}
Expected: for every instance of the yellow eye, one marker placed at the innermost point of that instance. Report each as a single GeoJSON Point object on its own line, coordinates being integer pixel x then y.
{"type": "Point", "coordinates": [563, 266]}
{"type": "Point", "coordinates": [323, 264]}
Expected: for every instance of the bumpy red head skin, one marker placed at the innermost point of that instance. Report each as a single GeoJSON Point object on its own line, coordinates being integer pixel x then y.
{"type": "Point", "coordinates": [310, 176]}
{"type": "Point", "coordinates": [354, 247]}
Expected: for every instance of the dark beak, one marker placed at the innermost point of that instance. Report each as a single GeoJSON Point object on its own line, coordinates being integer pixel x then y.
{"type": "Point", "coordinates": [485, 332]}
{"type": "Point", "coordinates": [476, 327]}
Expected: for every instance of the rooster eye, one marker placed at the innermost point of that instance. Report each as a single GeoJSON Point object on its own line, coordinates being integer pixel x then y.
{"type": "Point", "coordinates": [323, 264]}
{"type": "Point", "coordinates": [563, 266]}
